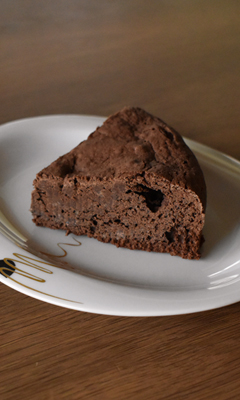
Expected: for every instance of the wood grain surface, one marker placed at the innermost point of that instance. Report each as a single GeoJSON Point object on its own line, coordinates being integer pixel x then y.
{"type": "Point", "coordinates": [180, 61]}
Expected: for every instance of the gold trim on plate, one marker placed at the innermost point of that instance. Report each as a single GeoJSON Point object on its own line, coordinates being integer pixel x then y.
{"type": "Point", "coordinates": [31, 262]}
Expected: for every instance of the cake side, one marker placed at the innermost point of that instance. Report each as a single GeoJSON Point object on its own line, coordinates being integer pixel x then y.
{"type": "Point", "coordinates": [122, 212]}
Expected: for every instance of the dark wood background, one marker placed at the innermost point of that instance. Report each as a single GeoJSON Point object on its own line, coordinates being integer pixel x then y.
{"type": "Point", "coordinates": [180, 61]}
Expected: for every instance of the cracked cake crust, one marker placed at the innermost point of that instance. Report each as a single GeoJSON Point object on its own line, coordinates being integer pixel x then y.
{"type": "Point", "coordinates": [133, 183]}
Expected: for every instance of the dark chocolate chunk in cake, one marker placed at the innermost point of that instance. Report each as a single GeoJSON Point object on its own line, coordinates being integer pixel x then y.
{"type": "Point", "coordinates": [133, 182]}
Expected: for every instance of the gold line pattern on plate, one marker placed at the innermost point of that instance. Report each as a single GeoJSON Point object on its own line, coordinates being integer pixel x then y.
{"type": "Point", "coordinates": [64, 251]}
{"type": "Point", "coordinates": [31, 262]}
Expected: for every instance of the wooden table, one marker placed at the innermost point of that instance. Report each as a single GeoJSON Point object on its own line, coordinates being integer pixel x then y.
{"type": "Point", "coordinates": [180, 61]}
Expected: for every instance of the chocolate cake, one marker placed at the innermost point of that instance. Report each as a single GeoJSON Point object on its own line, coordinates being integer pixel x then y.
{"type": "Point", "coordinates": [133, 182]}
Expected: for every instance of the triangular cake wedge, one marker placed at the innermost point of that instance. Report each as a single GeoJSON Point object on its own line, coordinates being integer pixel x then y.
{"type": "Point", "coordinates": [133, 183]}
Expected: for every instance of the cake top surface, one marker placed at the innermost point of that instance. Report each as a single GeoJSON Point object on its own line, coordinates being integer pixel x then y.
{"type": "Point", "coordinates": [133, 142]}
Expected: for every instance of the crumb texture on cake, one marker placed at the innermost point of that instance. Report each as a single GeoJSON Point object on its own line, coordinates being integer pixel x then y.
{"type": "Point", "coordinates": [133, 183]}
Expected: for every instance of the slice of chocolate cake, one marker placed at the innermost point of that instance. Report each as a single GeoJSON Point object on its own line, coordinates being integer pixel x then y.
{"type": "Point", "coordinates": [133, 183]}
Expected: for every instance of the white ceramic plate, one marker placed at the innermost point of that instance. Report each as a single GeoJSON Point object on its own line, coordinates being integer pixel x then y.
{"type": "Point", "coordinates": [101, 278]}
